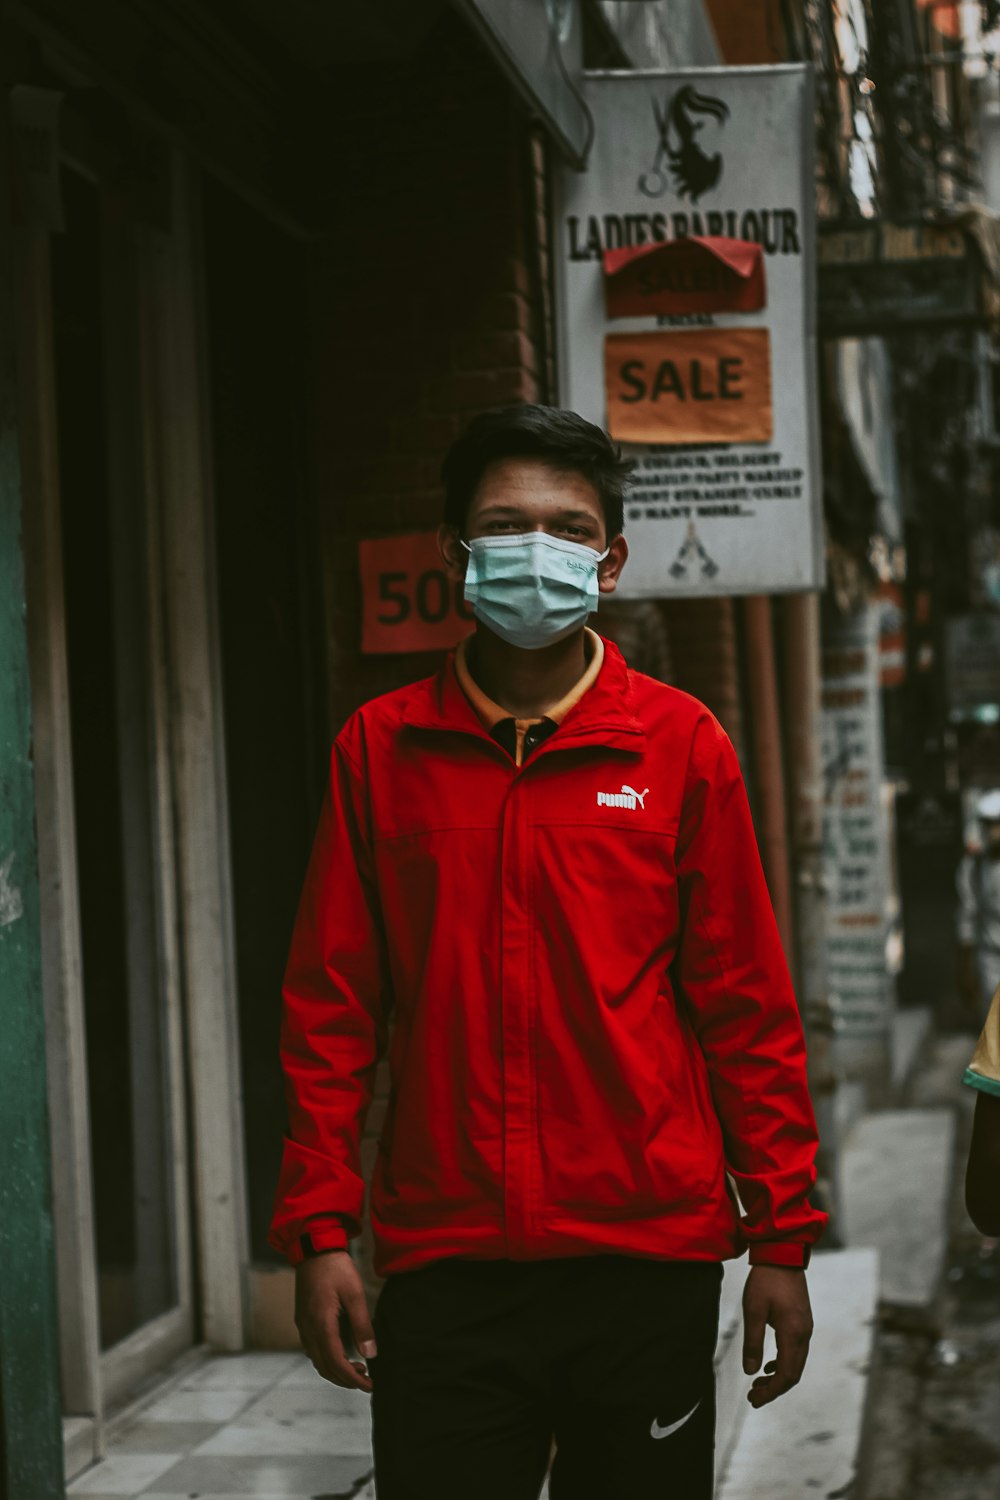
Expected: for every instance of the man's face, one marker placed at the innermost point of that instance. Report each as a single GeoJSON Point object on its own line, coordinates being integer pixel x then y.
{"type": "Point", "coordinates": [518, 495]}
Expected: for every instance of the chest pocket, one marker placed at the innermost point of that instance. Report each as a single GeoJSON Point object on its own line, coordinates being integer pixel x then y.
{"type": "Point", "coordinates": [605, 889]}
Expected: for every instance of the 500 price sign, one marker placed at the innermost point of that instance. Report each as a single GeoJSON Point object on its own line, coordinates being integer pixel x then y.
{"type": "Point", "coordinates": [408, 601]}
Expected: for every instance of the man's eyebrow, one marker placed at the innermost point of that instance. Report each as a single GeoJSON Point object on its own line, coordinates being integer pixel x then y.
{"type": "Point", "coordinates": [576, 515]}
{"type": "Point", "coordinates": [499, 509]}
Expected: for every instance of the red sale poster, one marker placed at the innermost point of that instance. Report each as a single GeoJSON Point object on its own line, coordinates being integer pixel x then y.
{"type": "Point", "coordinates": [408, 601]}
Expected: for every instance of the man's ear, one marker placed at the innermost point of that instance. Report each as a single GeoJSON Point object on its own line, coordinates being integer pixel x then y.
{"type": "Point", "coordinates": [453, 554]}
{"type": "Point", "coordinates": [609, 571]}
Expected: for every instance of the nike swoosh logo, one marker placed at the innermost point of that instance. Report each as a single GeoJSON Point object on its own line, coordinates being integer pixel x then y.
{"type": "Point", "coordinates": [665, 1432]}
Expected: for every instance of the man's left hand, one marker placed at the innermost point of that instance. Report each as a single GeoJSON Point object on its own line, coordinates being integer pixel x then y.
{"type": "Point", "coordinates": [776, 1297]}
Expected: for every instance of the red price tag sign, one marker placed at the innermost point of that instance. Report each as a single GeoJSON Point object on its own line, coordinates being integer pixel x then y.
{"type": "Point", "coordinates": [692, 275]}
{"type": "Point", "coordinates": [408, 601]}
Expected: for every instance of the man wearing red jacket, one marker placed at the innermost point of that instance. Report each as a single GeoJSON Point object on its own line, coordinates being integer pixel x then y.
{"type": "Point", "coordinates": [541, 867]}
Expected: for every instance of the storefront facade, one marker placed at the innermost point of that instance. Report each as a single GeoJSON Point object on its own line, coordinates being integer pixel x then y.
{"type": "Point", "coordinates": [257, 281]}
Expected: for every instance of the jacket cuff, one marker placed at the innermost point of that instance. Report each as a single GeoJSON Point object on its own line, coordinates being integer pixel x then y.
{"type": "Point", "coordinates": [330, 1235]}
{"type": "Point", "coordinates": [780, 1253]}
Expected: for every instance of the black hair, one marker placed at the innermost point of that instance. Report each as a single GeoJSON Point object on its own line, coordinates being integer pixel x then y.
{"type": "Point", "coordinates": [558, 438]}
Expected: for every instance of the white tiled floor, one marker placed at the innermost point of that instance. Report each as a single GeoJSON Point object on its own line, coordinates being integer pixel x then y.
{"type": "Point", "coordinates": [251, 1425]}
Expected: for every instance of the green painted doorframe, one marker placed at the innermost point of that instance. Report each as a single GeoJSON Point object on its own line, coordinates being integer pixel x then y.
{"type": "Point", "coordinates": [31, 1465]}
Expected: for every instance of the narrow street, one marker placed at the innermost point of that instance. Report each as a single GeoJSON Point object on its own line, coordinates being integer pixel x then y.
{"type": "Point", "coordinates": [934, 1398]}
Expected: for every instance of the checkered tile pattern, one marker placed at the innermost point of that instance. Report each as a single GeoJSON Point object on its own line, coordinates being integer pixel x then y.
{"type": "Point", "coordinates": [250, 1425]}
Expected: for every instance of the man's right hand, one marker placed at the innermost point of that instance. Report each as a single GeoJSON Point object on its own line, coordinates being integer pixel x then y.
{"type": "Point", "coordinates": [329, 1300]}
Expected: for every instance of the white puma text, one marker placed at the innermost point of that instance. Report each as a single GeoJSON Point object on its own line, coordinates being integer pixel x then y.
{"type": "Point", "coordinates": [627, 797]}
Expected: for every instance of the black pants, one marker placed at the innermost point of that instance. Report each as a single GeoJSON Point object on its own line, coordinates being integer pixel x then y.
{"type": "Point", "coordinates": [482, 1363]}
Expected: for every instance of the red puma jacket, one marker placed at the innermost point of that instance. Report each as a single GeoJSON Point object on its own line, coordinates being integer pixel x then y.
{"type": "Point", "coordinates": [594, 1023]}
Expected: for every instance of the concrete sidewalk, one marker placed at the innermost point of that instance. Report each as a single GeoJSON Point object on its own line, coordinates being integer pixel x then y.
{"type": "Point", "coordinates": [896, 1174]}
{"type": "Point", "coordinates": [809, 1442]}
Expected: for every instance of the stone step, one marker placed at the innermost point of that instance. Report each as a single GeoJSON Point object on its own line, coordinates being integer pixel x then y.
{"type": "Point", "coordinates": [895, 1181]}
{"type": "Point", "coordinates": [808, 1442]}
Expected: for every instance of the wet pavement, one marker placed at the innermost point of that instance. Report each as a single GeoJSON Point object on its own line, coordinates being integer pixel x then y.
{"type": "Point", "coordinates": [934, 1410]}
{"type": "Point", "coordinates": [959, 1450]}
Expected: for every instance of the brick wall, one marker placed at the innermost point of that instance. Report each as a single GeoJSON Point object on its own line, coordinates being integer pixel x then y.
{"type": "Point", "coordinates": [427, 308]}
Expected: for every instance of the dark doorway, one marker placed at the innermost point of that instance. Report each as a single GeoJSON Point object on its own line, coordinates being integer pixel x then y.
{"type": "Point", "coordinates": [271, 632]}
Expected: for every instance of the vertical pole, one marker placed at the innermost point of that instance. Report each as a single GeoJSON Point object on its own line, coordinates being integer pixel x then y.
{"type": "Point", "coordinates": [801, 633]}
{"type": "Point", "coordinates": [30, 1427]}
{"type": "Point", "coordinates": [768, 759]}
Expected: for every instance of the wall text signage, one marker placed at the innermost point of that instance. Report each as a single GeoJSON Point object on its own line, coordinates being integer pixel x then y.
{"type": "Point", "coordinates": [408, 601]}
{"type": "Point", "coordinates": [885, 276]}
{"type": "Point", "coordinates": [855, 842]}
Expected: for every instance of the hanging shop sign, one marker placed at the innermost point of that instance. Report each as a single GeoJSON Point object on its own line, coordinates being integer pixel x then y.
{"type": "Point", "coordinates": [408, 602]}
{"type": "Point", "coordinates": [891, 607]}
{"type": "Point", "coordinates": [863, 377]}
{"type": "Point", "coordinates": [685, 285]}
{"type": "Point", "coordinates": [855, 841]}
{"type": "Point", "coordinates": [972, 644]}
{"type": "Point", "coordinates": [883, 277]}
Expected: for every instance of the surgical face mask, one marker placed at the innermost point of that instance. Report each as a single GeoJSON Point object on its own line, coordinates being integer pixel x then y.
{"type": "Point", "coordinates": [531, 589]}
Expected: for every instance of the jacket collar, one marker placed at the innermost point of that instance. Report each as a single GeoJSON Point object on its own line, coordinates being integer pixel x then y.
{"type": "Point", "coordinates": [603, 716]}
{"type": "Point", "coordinates": [491, 714]}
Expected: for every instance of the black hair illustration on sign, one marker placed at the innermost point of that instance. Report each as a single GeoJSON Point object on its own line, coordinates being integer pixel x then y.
{"type": "Point", "coordinates": [694, 170]}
